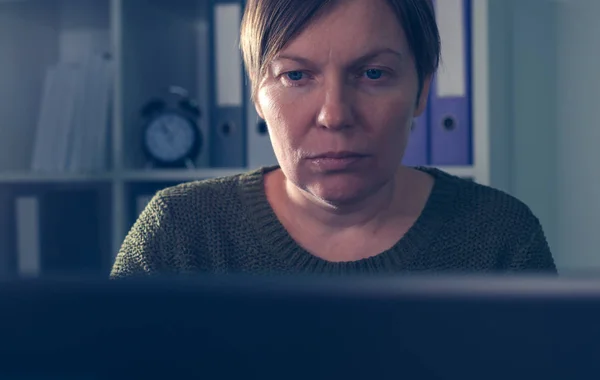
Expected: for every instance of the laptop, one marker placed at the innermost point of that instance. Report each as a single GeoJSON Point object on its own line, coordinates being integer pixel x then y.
{"type": "Point", "coordinates": [250, 327]}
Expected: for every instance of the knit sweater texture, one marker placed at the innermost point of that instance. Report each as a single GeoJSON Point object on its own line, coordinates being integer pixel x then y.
{"type": "Point", "coordinates": [226, 226]}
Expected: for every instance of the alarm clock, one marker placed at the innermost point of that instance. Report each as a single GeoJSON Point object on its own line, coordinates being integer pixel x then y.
{"type": "Point", "coordinates": [170, 134]}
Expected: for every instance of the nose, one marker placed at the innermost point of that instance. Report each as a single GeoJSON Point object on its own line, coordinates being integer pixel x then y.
{"type": "Point", "coordinates": [336, 111]}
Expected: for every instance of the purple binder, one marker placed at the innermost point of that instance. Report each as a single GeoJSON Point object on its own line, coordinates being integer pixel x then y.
{"type": "Point", "coordinates": [450, 106]}
{"type": "Point", "coordinates": [416, 150]}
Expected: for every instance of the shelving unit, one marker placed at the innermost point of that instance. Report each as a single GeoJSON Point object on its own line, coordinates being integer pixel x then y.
{"type": "Point", "coordinates": [153, 44]}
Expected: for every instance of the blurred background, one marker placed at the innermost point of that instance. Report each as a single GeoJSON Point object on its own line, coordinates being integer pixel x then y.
{"type": "Point", "coordinates": [104, 102]}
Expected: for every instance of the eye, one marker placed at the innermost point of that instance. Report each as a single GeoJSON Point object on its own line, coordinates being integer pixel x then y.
{"type": "Point", "coordinates": [374, 74]}
{"type": "Point", "coordinates": [294, 78]}
{"type": "Point", "coordinates": [295, 75]}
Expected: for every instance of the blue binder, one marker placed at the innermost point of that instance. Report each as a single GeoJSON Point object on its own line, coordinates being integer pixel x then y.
{"type": "Point", "coordinates": [450, 100]}
{"type": "Point", "coordinates": [228, 126]}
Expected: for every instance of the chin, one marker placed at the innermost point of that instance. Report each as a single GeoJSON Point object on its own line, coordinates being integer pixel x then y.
{"type": "Point", "coordinates": [341, 191]}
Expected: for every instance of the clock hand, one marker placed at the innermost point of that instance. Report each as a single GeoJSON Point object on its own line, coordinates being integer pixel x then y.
{"type": "Point", "coordinates": [167, 132]}
{"type": "Point", "coordinates": [164, 127]}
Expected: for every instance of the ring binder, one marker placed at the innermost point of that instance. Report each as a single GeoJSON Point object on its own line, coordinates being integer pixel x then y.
{"type": "Point", "coordinates": [450, 98]}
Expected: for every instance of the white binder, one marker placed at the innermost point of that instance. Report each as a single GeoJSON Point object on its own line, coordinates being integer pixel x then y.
{"type": "Point", "coordinates": [28, 236]}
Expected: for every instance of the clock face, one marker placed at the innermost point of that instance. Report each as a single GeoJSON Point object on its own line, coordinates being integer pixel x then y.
{"type": "Point", "coordinates": [170, 137]}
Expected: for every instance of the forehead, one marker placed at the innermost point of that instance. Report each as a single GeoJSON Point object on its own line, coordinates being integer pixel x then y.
{"type": "Point", "coordinates": [348, 29]}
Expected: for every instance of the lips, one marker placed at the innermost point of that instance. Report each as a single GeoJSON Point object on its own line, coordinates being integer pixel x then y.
{"type": "Point", "coordinates": [338, 155]}
{"type": "Point", "coordinates": [338, 161]}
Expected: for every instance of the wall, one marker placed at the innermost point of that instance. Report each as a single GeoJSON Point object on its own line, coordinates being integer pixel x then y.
{"type": "Point", "coordinates": [534, 126]}
{"type": "Point", "coordinates": [545, 101]}
{"type": "Point", "coordinates": [522, 76]}
{"type": "Point", "coordinates": [578, 134]}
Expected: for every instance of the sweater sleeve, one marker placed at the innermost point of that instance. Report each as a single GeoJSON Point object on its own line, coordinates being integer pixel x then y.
{"type": "Point", "coordinates": [145, 244]}
{"type": "Point", "coordinates": [535, 255]}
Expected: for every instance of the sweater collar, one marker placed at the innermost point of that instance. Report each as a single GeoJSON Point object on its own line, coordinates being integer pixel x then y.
{"type": "Point", "coordinates": [275, 240]}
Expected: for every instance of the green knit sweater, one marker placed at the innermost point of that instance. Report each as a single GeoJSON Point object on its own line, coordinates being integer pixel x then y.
{"type": "Point", "coordinates": [226, 225]}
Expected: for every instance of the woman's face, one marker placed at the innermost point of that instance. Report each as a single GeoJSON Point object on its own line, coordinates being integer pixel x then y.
{"type": "Point", "coordinates": [339, 100]}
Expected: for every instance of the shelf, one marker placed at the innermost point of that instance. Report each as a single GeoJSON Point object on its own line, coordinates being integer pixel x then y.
{"type": "Point", "coordinates": [32, 177]}
{"type": "Point", "coordinates": [59, 34]}
{"type": "Point", "coordinates": [177, 175]}
{"type": "Point", "coordinates": [155, 58]}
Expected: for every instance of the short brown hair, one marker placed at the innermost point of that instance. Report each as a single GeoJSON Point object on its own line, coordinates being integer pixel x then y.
{"type": "Point", "coordinates": [268, 25]}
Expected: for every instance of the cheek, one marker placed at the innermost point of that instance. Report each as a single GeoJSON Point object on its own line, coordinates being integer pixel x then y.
{"type": "Point", "coordinates": [283, 113]}
{"type": "Point", "coordinates": [389, 117]}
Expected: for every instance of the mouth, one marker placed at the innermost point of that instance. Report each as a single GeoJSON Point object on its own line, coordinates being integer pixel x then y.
{"type": "Point", "coordinates": [337, 155]}
{"type": "Point", "coordinates": [338, 161]}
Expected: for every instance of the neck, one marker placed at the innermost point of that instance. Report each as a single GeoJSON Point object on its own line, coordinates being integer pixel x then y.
{"type": "Point", "coordinates": [371, 212]}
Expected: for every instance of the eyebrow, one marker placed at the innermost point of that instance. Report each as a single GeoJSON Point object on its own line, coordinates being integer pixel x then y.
{"type": "Point", "coordinates": [364, 58]}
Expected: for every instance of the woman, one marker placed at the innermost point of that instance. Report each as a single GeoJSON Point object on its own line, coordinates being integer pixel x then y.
{"type": "Point", "coordinates": [338, 83]}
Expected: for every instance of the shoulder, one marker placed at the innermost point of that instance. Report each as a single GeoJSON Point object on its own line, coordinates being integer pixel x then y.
{"type": "Point", "coordinates": [213, 207]}
{"type": "Point", "coordinates": [184, 227]}
{"type": "Point", "coordinates": [210, 194]}
{"type": "Point", "coordinates": [490, 223]}
{"type": "Point", "coordinates": [480, 203]}
{"type": "Point", "coordinates": [510, 228]}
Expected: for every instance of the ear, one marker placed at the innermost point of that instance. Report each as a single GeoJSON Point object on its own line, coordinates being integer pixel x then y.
{"type": "Point", "coordinates": [422, 101]}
